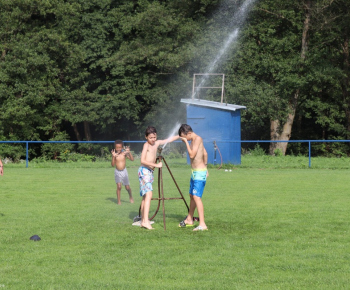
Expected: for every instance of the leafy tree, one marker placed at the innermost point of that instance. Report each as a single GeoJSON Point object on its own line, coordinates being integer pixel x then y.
{"type": "Point", "coordinates": [282, 66]}
{"type": "Point", "coordinates": [35, 61]}
{"type": "Point", "coordinates": [102, 69]}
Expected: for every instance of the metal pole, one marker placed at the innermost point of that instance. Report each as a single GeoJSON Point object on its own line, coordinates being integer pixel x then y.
{"type": "Point", "coordinates": [194, 84]}
{"type": "Point", "coordinates": [223, 88]}
{"type": "Point", "coordinates": [27, 154]}
{"type": "Point", "coordinates": [159, 195]}
{"type": "Point", "coordinates": [162, 191]}
{"type": "Point", "coordinates": [309, 154]}
{"type": "Point", "coordinates": [172, 176]}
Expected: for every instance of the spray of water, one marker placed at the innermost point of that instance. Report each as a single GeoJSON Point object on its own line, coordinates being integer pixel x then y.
{"type": "Point", "coordinates": [235, 26]}
{"type": "Point", "coordinates": [173, 132]}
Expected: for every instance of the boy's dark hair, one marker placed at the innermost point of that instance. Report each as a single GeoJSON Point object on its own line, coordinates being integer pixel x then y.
{"type": "Point", "coordinates": [185, 129]}
{"type": "Point", "coordinates": [150, 130]}
{"type": "Point", "coordinates": [118, 142]}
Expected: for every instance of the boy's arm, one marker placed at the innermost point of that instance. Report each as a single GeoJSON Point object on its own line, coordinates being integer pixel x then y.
{"type": "Point", "coordinates": [169, 140]}
{"type": "Point", "coordinates": [129, 155]}
{"type": "Point", "coordinates": [205, 156]}
{"type": "Point", "coordinates": [1, 168]}
{"type": "Point", "coordinates": [113, 162]}
{"type": "Point", "coordinates": [196, 142]}
{"type": "Point", "coordinates": [205, 159]}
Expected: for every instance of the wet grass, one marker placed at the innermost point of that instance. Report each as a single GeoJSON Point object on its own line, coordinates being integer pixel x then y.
{"type": "Point", "coordinates": [268, 229]}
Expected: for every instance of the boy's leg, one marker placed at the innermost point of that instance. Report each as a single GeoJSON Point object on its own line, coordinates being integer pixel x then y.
{"type": "Point", "coordinates": [200, 209]}
{"type": "Point", "coordinates": [119, 189]}
{"type": "Point", "coordinates": [189, 218]}
{"type": "Point", "coordinates": [128, 189]}
{"type": "Point", "coordinates": [146, 200]}
{"type": "Point", "coordinates": [142, 206]}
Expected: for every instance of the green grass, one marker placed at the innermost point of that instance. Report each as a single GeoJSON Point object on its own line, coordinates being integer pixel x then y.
{"type": "Point", "coordinates": [267, 161]}
{"type": "Point", "coordinates": [248, 161]}
{"type": "Point", "coordinates": [269, 228]}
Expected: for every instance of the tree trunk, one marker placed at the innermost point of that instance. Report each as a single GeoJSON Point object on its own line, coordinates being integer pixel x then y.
{"type": "Point", "coordinates": [283, 136]}
{"type": "Point", "coordinates": [283, 133]}
{"type": "Point", "coordinates": [286, 132]}
{"type": "Point", "coordinates": [87, 131]}
{"type": "Point", "coordinates": [76, 131]}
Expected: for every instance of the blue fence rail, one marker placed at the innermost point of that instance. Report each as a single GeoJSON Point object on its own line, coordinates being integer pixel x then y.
{"type": "Point", "coordinates": [223, 141]}
{"type": "Point", "coordinates": [292, 141]}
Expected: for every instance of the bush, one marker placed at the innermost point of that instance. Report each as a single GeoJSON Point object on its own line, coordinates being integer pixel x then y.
{"type": "Point", "coordinates": [56, 150]}
{"type": "Point", "coordinates": [257, 151]}
{"type": "Point", "coordinates": [331, 149]}
{"type": "Point", "coordinates": [278, 152]}
{"type": "Point", "coordinates": [75, 157]}
{"type": "Point", "coordinates": [12, 151]}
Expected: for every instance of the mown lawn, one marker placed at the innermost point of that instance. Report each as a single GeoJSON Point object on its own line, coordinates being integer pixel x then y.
{"type": "Point", "coordinates": [269, 228]}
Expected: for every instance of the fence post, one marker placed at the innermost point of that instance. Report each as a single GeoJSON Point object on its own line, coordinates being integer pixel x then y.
{"type": "Point", "coordinates": [27, 154]}
{"type": "Point", "coordinates": [309, 154]}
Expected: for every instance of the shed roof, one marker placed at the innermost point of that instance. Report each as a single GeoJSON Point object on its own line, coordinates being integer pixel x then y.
{"type": "Point", "coordinates": [211, 104]}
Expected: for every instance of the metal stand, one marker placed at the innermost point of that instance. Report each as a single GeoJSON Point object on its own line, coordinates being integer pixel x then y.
{"type": "Point", "coordinates": [161, 191]}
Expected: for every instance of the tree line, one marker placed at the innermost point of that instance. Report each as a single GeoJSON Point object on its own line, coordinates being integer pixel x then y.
{"type": "Point", "coordinates": [104, 69]}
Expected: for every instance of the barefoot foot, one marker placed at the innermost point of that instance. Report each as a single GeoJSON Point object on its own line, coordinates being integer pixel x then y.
{"type": "Point", "coordinates": [147, 226]}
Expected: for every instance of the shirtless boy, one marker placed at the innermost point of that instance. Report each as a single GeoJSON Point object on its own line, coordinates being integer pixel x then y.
{"type": "Point", "coordinates": [148, 159]}
{"type": "Point", "coordinates": [1, 168]}
{"type": "Point", "coordinates": [199, 159]}
{"type": "Point", "coordinates": [119, 156]}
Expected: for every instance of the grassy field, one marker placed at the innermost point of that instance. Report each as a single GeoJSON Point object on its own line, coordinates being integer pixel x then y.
{"type": "Point", "coordinates": [269, 228]}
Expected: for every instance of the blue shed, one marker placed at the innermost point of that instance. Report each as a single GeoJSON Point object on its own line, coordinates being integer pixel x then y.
{"type": "Point", "coordinates": [218, 124]}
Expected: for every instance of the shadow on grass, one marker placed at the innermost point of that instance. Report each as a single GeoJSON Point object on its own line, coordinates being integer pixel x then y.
{"type": "Point", "coordinates": [114, 200]}
{"type": "Point", "coordinates": [179, 217]}
{"type": "Point", "coordinates": [133, 214]}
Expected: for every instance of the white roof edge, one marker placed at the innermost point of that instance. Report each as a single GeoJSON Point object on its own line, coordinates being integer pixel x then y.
{"type": "Point", "coordinates": [211, 104]}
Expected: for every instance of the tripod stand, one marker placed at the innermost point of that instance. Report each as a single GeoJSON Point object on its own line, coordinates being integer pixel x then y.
{"type": "Point", "coordinates": [161, 197]}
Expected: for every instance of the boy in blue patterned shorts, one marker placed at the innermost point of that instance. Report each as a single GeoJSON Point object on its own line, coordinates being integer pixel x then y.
{"type": "Point", "coordinates": [199, 159]}
{"type": "Point", "coordinates": [145, 173]}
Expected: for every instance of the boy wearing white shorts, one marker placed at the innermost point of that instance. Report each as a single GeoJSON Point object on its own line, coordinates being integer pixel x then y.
{"type": "Point", "coordinates": [119, 156]}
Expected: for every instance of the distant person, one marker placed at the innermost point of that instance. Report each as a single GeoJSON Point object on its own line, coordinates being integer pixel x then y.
{"type": "Point", "coordinates": [199, 159]}
{"type": "Point", "coordinates": [145, 173]}
{"type": "Point", "coordinates": [1, 168]}
{"type": "Point", "coordinates": [119, 156]}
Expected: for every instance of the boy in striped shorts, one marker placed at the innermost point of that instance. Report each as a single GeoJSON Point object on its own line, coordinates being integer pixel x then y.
{"type": "Point", "coordinates": [145, 173]}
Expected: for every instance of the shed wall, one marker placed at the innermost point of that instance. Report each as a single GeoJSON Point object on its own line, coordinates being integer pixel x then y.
{"type": "Point", "coordinates": [220, 126]}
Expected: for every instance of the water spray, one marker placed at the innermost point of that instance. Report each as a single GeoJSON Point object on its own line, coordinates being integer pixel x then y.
{"type": "Point", "coordinates": [175, 129]}
{"type": "Point", "coordinates": [238, 19]}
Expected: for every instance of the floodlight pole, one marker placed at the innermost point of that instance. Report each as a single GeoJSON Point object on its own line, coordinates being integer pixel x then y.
{"type": "Point", "coordinates": [194, 87]}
